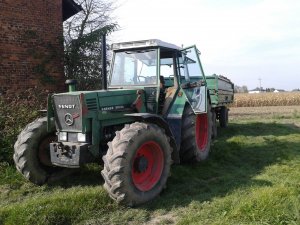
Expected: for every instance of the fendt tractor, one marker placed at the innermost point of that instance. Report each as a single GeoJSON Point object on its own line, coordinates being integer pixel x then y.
{"type": "Point", "coordinates": [156, 108]}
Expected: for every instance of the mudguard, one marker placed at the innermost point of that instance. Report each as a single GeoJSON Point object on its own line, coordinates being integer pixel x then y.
{"type": "Point", "coordinates": [161, 122]}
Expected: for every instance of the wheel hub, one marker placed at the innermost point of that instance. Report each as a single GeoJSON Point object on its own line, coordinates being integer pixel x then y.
{"type": "Point", "coordinates": [147, 167]}
{"type": "Point", "coordinates": [141, 164]}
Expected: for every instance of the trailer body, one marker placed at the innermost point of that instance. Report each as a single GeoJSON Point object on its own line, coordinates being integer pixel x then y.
{"type": "Point", "coordinates": [221, 90]}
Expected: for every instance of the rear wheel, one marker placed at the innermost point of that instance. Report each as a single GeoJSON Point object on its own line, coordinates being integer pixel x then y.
{"type": "Point", "coordinates": [196, 135]}
{"type": "Point", "coordinates": [32, 153]}
{"type": "Point", "coordinates": [137, 164]}
{"type": "Point", "coordinates": [223, 120]}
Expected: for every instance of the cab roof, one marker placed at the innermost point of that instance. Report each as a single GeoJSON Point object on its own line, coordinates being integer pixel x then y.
{"type": "Point", "coordinates": [142, 44]}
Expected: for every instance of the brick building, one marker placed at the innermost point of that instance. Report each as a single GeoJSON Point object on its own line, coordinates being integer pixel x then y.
{"type": "Point", "coordinates": [31, 43]}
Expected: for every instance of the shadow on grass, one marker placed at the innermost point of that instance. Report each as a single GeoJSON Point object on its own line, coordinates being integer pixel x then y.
{"type": "Point", "coordinates": [239, 153]}
{"type": "Point", "coordinates": [89, 175]}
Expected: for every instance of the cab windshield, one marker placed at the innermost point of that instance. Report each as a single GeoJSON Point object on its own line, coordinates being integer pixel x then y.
{"type": "Point", "coordinates": [134, 68]}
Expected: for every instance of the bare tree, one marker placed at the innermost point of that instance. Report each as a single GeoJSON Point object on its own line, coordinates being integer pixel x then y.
{"type": "Point", "coordinates": [82, 40]}
{"type": "Point", "coordinates": [240, 89]}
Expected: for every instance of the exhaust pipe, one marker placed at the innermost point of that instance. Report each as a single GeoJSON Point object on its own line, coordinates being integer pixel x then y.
{"type": "Point", "coordinates": [71, 85]}
{"type": "Point", "coordinates": [104, 71]}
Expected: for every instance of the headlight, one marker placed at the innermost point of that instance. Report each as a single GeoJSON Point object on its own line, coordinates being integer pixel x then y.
{"type": "Point", "coordinates": [63, 136]}
{"type": "Point", "coordinates": [81, 137]}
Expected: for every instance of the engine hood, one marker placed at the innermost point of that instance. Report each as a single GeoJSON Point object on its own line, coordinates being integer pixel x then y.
{"type": "Point", "coordinates": [83, 105]}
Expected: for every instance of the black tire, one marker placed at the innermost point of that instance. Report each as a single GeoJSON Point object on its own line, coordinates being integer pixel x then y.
{"type": "Point", "coordinates": [127, 161]}
{"type": "Point", "coordinates": [223, 120]}
{"type": "Point", "coordinates": [214, 132]}
{"type": "Point", "coordinates": [32, 155]}
{"type": "Point", "coordinates": [195, 146]}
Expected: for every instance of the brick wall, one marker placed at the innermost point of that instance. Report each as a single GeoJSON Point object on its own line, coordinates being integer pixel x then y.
{"type": "Point", "coordinates": [31, 46]}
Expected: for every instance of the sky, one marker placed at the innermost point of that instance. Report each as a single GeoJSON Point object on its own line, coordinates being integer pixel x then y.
{"type": "Point", "coordinates": [244, 40]}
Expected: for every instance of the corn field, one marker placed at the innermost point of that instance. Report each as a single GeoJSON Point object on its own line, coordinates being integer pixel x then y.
{"type": "Point", "coordinates": [266, 99]}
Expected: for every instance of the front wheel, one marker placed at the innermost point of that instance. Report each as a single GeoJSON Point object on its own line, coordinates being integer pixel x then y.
{"type": "Point", "coordinates": [137, 164]}
{"type": "Point", "coordinates": [32, 153]}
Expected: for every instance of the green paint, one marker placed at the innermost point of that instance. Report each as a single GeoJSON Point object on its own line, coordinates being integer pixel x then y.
{"type": "Point", "coordinates": [72, 87]}
{"type": "Point", "coordinates": [221, 90]}
{"type": "Point", "coordinates": [105, 109]}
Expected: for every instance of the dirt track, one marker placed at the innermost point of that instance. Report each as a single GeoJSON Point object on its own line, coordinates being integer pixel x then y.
{"type": "Point", "coordinates": [265, 110]}
{"type": "Point", "coordinates": [287, 114]}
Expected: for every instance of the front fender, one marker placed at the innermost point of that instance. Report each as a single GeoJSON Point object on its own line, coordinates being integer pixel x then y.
{"type": "Point", "coordinates": [161, 122]}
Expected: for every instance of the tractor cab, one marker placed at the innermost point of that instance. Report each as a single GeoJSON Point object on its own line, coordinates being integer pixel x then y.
{"type": "Point", "coordinates": [160, 70]}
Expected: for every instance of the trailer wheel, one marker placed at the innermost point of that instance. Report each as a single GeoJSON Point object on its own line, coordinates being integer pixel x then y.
{"type": "Point", "coordinates": [223, 117]}
{"type": "Point", "coordinates": [196, 135]}
{"type": "Point", "coordinates": [137, 164]}
{"type": "Point", "coordinates": [32, 155]}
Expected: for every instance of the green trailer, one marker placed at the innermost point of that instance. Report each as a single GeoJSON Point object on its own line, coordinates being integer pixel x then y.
{"type": "Point", "coordinates": [221, 91]}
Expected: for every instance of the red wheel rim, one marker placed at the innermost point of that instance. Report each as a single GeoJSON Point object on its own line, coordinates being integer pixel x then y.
{"type": "Point", "coordinates": [147, 166]}
{"type": "Point", "coordinates": [201, 131]}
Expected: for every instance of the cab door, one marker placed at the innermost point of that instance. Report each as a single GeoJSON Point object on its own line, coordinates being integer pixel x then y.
{"type": "Point", "coordinates": [192, 79]}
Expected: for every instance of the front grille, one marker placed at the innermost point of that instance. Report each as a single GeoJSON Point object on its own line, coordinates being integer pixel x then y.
{"type": "Point", "coordinates": [66, 105]}
{"type": "Point", "coordinates": [91, 104]}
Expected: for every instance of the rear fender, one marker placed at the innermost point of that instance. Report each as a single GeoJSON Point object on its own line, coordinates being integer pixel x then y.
{"type": "Point", "coordinates": [159, 121]}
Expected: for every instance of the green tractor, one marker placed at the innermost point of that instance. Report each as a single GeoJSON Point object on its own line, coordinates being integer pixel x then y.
{"type": "Point", "coordinates": [154, 110]}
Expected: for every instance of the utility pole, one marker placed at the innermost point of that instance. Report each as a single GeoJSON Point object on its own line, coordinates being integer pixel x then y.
{"type": "Point", "coordinates": [259, 83]}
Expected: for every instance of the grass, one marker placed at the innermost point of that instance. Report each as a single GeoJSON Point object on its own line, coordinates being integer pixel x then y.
{"type": "Point", "coordinates": [251, 177]}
